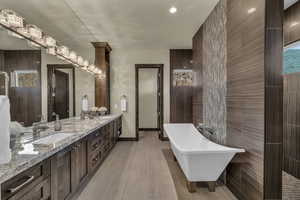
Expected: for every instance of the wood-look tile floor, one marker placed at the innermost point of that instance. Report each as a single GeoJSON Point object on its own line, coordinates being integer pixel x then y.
{"type": "Point", "coordinates": [144, 171]}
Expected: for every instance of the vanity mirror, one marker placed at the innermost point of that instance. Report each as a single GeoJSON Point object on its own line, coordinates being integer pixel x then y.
{"type": "Point", "coordinates": [39, 83]}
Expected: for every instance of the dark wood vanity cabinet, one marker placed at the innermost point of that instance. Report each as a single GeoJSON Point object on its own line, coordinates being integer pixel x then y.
{"type": "Point", "coordinates": [62, 175]}
{"type": "Point", "coordinates": [33, 184]}
{"type": "Point", "coordinates": [79, 170]}
{"type": "Point", "coordinates": [61, 178]}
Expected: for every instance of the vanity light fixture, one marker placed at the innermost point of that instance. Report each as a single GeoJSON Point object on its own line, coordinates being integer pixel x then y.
{"type": "Point", "coordinates": [73, 56]}
{"type": "Point", "coordinates": [251, 10]}
{"type": "Point", "coordinates": [33, 45]}
{"type": "Point", "coordinates": [91, 68]}
{"type": "Point", "coordinates": [3, 19]}
{"type": "Point", "coordinates": [13, 19]}
{"type": "Point", "coordinates": [51, 51]}
{"type": "Point", "coordinates": [80, 60]}
{"type": "Point", "coordinates": [86, 63]}
{"type": "Point", "coordinates": [63, 50]}
{"type": "Point", "coordinates": [173, 10]}
{"type": "Point", "coordinates": [34, 31]}
{"type": "Point", "coordinates": [50, 41]}
{"type": "Point", "coordinates": [294, 24]}
{"type": "Point", "coordinates": [36, 38]}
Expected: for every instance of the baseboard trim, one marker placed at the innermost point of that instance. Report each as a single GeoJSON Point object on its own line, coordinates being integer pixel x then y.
{"type": "Point", "coordinates": [126, 139]}
{"type": "Point", "coordinates": [149, 129]}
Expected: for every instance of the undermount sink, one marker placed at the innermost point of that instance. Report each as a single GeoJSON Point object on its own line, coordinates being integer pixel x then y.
{"type": "Point", "coordinates": [51, 140]}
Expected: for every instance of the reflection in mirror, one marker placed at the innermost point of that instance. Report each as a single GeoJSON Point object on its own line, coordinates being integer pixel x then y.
{"type": "Point", "coordinates": [24, 78]}
{"type": "Point", "coordinates": [61, 99]}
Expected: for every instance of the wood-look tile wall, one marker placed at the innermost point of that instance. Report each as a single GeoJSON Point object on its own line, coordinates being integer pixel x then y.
{"type": "Point", "coordinates": [254, 97]}
{"type": "Point", "coordinates": [291, 102]}
{"type": "Point", "coordinates": [245, 96]}
{"type": "Point", "coordinates": [180, 96]}
{"type": "Point", "coordinates": [197, 104]}
{"type": "Point", "coordinates": [273, 99]}
{"type": "Point", "coordinates": [291, 28]}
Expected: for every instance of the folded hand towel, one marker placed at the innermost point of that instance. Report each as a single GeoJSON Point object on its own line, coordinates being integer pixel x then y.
{"type": "Point", "coordinates": [5, 152]}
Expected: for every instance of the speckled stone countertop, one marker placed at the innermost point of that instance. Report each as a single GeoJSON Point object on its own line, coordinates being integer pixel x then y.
{"type": "Point", "coordinates": [25, 154]}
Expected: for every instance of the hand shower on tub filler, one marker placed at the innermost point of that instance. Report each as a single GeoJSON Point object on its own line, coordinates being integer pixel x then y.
{"type": "Point", "coordinates": [206, 131]}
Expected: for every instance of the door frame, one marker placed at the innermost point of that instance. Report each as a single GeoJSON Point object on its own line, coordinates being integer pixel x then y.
{"type": "Point", "coordinates": [50, 69]}
{"type": "Point", "coordinates": [160, 68]}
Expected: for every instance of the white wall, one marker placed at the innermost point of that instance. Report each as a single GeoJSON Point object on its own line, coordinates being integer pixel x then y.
{"type": "Point", "coordinates": [148, 98]}
{"type": "Point", "coordinates": [84, 84]}
{"type": "Point", "coordinates": [123, 81]}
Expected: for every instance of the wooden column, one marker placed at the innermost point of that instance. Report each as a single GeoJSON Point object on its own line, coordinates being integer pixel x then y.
{"type": "Point", "coordinates": [102, 85]}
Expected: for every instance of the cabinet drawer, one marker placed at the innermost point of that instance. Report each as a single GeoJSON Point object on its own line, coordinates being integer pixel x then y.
{"type": "Point", "coordinates": [95, 159]}
{"type": "Point", "coordinates": [26, 181]}
{"type": "Point", "coordinates": [95, 143]}
{"type": "Point", "coordinates": [39, 192]}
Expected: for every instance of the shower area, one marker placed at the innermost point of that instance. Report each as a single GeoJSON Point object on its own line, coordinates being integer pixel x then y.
{"type": "Point", "coordinates": [291, 122]}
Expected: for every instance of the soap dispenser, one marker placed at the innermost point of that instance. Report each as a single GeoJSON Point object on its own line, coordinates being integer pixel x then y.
{"type": "Point", "coordinates": [57, 124]}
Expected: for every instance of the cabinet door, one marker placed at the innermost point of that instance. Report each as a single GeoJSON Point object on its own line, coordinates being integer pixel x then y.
{"type": "Point", "coordinates": [79, 163]}
{"type": "Point", "coordinates": [61, 175]}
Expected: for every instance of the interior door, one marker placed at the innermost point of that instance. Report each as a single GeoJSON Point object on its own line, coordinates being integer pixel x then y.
{"type": "Point", "coordinates": [61, 102]}
{"type": "Point", "coordinates": [159, 102]}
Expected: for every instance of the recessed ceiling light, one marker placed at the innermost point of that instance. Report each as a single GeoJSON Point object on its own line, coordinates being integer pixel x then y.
{"type": "Point", "coordinates": [251, 10]}
{"type": "Point", "coordinates": [173, 10]}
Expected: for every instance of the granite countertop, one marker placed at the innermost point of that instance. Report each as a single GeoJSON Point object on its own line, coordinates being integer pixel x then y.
{"type": "Point", "coordinates": [25, 154]}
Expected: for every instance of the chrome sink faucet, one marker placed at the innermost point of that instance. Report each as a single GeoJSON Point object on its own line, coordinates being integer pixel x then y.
{"type": "Point", "coordinates": [37, 127]}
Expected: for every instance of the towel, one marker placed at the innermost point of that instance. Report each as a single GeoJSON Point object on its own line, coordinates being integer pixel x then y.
{"type": "Point", "coordinates": [5, 152]}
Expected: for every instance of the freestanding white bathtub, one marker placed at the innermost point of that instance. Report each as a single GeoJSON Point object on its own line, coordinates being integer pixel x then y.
{"type": "Point", "coordinates": [200, 159]}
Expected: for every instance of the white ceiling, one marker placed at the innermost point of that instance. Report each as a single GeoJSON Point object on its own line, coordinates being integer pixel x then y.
{"type": "Point", "coordinates": [123, 23]}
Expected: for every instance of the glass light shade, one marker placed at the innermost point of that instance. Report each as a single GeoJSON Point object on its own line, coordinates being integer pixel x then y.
{"type": "Point", "coordinates": [15, 34]}
{"type": "Point", "coordinates": [23, 31]}
{"type": "Point", "coordinates": [73, 56]}
{"type": "Point", "coordinates": [3, 19]}
{"type": "Point", "coordinates": [51, 51]}
{"type": "Point", "coordinates": [50, 41]}
{"type": "Point", "coordinates": [35, 32]}
{"type": "Point", "coordinates": [63, 50]}
{"type": "Point", "coordinates": [98, 71]}
{"type": "Point", "coordinates": [86, 63]}
{"type": "Point", "coordinates": [13, 19]}
{"type": "Point", "coordinates": [91, 68]}
{"type": "Point", "coordinates": [80, 60]}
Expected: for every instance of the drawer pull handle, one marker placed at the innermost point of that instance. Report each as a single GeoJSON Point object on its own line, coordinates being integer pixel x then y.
{"type": "Point", "coordinates": [13, 190]}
